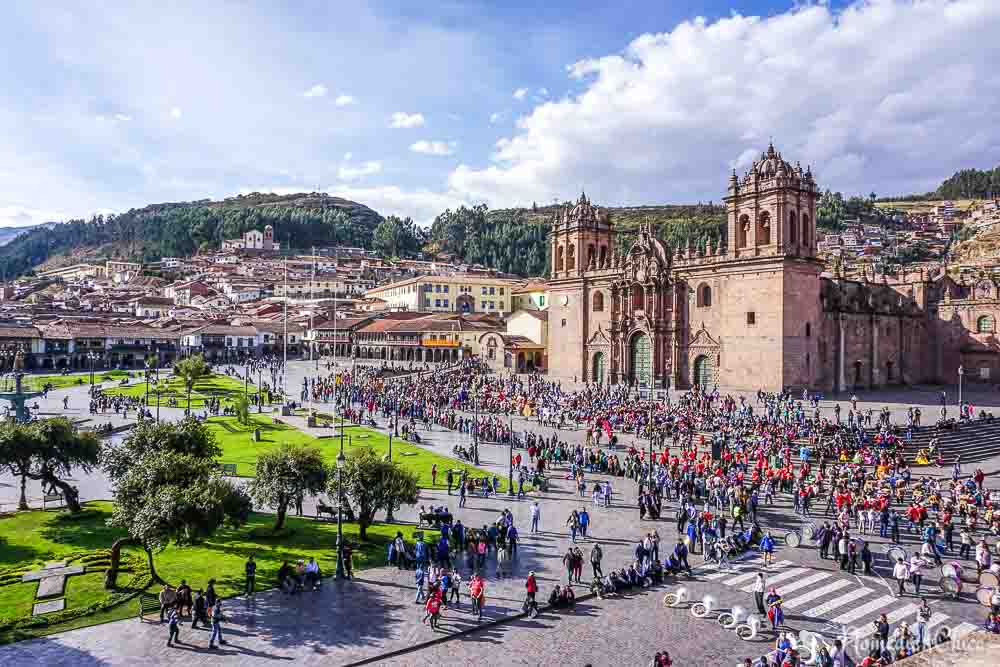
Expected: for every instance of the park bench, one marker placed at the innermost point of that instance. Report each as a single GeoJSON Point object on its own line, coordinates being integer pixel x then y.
{"type": "Point", "coordinates": [52, 498]}
{"type": "Point", "coordinates": [148, 604]}
{"type": "Point", "coordinates": [322, 509]}
{"type": "Point", "coordinates": [228, 469]}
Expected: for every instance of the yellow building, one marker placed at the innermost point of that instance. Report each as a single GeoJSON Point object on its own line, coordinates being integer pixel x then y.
{"type": "Point", "coordinates": [449, 294]}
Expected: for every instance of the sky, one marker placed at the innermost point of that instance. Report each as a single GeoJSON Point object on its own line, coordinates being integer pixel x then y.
{"type": "Point", "coordinates": [415, 107]}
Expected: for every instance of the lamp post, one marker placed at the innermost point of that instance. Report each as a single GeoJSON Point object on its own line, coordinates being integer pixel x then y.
{"type": "Point", "coordinates": [961, 374]}
{"type": "Point", "coordinates": [510, 459]}
{"type": "Point", "coordinates": [92, 358]}
{"type": "Point", "coordinates": [650, 476]}
{"type": "Point", "coordinates": [146, 364]}
{"type": "Point", "coordinates": [340, 509]}
{"type": "Point", "coordinates": [159, 398]}
{"type": "Point", "coordinates": [475, 428]}
{"type": "Point", "coordinates": [395, 415]}
{"type": "Point", "coordinates": [260, 392]}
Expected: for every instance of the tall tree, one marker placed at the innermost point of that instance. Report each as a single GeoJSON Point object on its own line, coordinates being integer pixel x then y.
{"type": "Point", "coordinates": [167, 489]}
{"type": "Point", "coordinates": [59, 450]}
{"type": "Point", "coordinates": [371, 484]}
{"type": "Point", "coordinates": [17, 448]}
{"type": "Point", "coordinates": [190, 371]}
{"type": "Point", "coordinates": [285, 475]}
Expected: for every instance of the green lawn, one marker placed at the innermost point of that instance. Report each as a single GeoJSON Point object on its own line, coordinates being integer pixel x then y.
{"type": "Point", "coordinates": [36, 382]}
{"type": "Point", "coordinates": [238, 447]}
{"type": "Point", "coordinates": [214, 386]}
{"type": "Point", "coordinates": [29, 539]}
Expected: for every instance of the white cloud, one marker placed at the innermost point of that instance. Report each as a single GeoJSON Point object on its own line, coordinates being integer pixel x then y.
{"type": "Point", "coordinates": [496, 117]}
{"type": "Point", "coordinates": [175, 112]}
{"type": "Point", "coordinates": [434, 147]}
{"type": "Point", "coordinates": [520, 93]}
{"type": "Point", "coordinates": [21, 216]}
{"type": "Point", "coordinates": [345, 100]}
{"type": "Point", "coordinates": [403, 120]}
{"type": "Point", "coordinates": [544, 92]}
{"type": "Point", "coordinates": [319, 90]}
{"type": "Point", "coordinates": [349, 173]}
{"type": "Point", "coordinates": [667, 118]}
{"type": "Point", "coordinates": [123, 117]}
{"type": "Point", "coordinates": [348, 156]}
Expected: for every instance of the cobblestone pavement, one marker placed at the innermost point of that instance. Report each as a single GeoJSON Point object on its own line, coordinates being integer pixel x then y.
{"type": "Point", "coordinates": [360, 620]}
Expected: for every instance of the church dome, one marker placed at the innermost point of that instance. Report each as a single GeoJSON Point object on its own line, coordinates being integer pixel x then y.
{"type": "Point", "coordinates": [771, 164]}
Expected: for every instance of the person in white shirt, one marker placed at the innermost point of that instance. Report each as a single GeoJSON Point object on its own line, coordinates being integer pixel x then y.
{"type": "Point", "coordinates": [312, 572]}
{"type": "Point", "coordinates": [901, 573]}
{"type": "Point", "coordinates": [916, 571]}
{"type": "Point", "coordinates": [759, 586]}
{"type": "Point", "coordinates": [536, 512]}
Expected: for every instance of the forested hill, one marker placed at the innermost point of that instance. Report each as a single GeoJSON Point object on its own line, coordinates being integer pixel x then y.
{"type": "Point", "coordinates": [963, 184]}
{"type": "Point", "coordinates": [515, 240]}
{"type": "Point", "coordinates": [181, 229]}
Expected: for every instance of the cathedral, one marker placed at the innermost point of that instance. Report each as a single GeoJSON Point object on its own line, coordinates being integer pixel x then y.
{"type": "Point", "coordinates": [756, 311]}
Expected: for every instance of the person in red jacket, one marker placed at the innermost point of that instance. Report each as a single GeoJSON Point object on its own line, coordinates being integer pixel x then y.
{"type": "Point", "coordinates": [433, 609]}
{"type": "Point", "coordinates": [531, 586]}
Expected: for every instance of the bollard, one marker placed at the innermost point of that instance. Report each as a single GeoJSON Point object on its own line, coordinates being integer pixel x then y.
{"type": "Point", "coordinates": [748, 631]}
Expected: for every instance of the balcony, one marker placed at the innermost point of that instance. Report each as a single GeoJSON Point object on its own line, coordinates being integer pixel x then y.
{"type": "Point", "coordinates": [433, 342]}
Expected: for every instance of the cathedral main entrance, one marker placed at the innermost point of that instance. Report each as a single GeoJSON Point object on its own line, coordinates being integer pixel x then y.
{"type": "Point", "coordinates": [703, 371]}
{"type": "Point", "coordinates": [641, 361]}
{"type": "Point", "coordinates": [597, 372]}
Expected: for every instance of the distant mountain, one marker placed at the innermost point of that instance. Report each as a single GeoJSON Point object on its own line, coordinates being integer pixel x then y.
{"type": "Point", "coordinates": [180, 229]}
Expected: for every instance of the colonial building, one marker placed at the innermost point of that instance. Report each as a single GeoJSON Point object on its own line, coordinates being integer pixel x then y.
{"type": "Point", "coordinates": [756, 310]}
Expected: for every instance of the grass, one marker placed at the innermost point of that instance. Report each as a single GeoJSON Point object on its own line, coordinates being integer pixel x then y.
{"type": "Point", "coordinates": [238, 447]}
{"type": "Point", "coordinates": [37, 382]}
{"type": "Point", "coordinates": [29, 539]}
{"type": "Point", "coordinates": [215, 386]}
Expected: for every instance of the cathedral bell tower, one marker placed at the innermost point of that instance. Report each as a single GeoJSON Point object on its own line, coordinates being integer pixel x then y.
{"type": "Point", "coordinates": [581, 240]}
{"type": "Point", "coordinates": [772, 210]}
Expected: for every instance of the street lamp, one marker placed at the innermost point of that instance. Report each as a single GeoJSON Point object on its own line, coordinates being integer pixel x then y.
{"type": "Point", "coordinates": [510, 459]}
{"type": "Point", "coordinates": [961, 373]}
{"type": "Point", "coordinates": [92, 358]}
{"type": "Point", "coordinates": [650, 476]}
{"type": "Point", "coordinates": [475, 428]}
{"type": "Point", "coordinates": [340, 509]}
{"type": "Point", "coordinates": [146, 363]}
{"type": "Point", "coordinates": [395, 415]}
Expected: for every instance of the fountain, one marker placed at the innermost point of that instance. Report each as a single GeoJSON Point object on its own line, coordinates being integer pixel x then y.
{"type": "Point", "coordinates": [18, 397]}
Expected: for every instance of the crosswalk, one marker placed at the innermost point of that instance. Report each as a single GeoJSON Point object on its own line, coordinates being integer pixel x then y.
{"type": "Point", "coordinates": [826, 597]}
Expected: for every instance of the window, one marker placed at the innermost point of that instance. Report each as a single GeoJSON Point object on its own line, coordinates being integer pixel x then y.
{"type": "Point", "coordinates": [482, 306]}
{"type": "Point", "coordinates": [484, 292]}
{"type": "Point", "coordinates": [808, 330]}
{"type": "Point", "coordinates": [437, 303]}
{"type": "Point", "coordinates": [501, 291]}
{"type": "Point", "coordinates": [598, 302]}
{"type": "Point", "coordinates": [427, 303]}
{"type": "Point", "coordinates": [984, 373]}
{"type": "Point", "coordinates": [492, 291]}
{"type": "Point", "coordinates": [541, 301]}
{"type": "Point", "coordinates": [985, 324]}
{"type": "Point", "coordinates": [564, 321]}
{"type": "Point", "coordinates": [437, 288]}
{"type": "Point", "coordinates": [446, 303]}
{"type": "Point", "coordinates": [704, 297]}
{"type": "Point", "coordinates": [501, 306]}
{"type": "Point", "coordinates": [492, 304]}
{"type": "Point", "coordinates": [751, 318]}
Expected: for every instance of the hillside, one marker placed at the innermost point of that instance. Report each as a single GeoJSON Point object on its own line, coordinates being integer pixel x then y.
{"type": "Point", "coordinates": [515, 240]}
{"type": "Point", "coordinates": [8, 234]}
{"type": "Point", "coordinates": [183, 228]}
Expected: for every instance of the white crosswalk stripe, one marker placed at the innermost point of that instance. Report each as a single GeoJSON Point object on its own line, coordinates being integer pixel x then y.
{"type": "Point", "coordinates": [829, 605]}
{"type": "Point", "coordinates": [962, 629]}
{"type": "Point", "coordinates": [778, 578]}
{"type": "Point", "coordinates": [805, 598]}
{"type": "Point", "coordinates": [802, 583]}
{"type": "Point", "coordinates": [734, 566]}
{"type": "Point", "coordinates": [900, 614]}
{"type": "Point", "coordinates": [864, 610]}
{"type": "Point", "coordinates": [742, 579]}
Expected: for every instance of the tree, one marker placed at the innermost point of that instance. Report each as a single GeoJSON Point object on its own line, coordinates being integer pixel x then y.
{"type": "Point", "coordinates": [190, 371]}
{"type": "Point", "coordinates": [167, 489]}
{"type": "Point", "coordinates": [59, 449]}
{"type": "Point", "coordinates": [241, 408]}
{"type": "Point", "coordinates": [371, 485]}
{"type": "Point", "coordinates": [17, 446]}
{"type": "Point", "coordinates": [397, 238]}
{"type": "Point", "coordinates": [285, 475]}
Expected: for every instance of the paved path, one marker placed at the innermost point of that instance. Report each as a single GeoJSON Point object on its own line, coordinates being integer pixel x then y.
{"type": "Point", "coordinates": [356, 621]}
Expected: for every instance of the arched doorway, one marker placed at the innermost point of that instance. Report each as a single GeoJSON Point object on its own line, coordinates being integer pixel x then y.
{"type": "Point", "coordinates": [703, 372]}
{"type": "Point", "coordinates": [641, 360]}
{"type": "Point", "coordinates": [597, 371]}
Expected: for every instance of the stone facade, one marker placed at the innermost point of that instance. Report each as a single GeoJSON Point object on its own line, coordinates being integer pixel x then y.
{"type": "Point", "coordinates": [757, 310]}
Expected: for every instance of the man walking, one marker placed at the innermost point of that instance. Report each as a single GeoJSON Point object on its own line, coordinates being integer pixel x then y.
{"type": "Point", "coordinates": [901, 573]}
{"type": "Point", "coordinates": [584, 521]}
{"type": "Point", "coordinates": [759, 586]}
{"type": "Point", "coordinates": [217, 625]}
{"type": "Point", "coordinates": [595, 561]}
{"type": "Point", "coordinates": [174, 628]}
{"type": "Point", "coordinates": [535, 514]}
{"type": "Point", "coordinates": [251, 574]}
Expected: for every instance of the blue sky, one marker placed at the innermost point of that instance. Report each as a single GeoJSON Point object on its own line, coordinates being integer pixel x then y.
{"type": "Point", "coordinates": [415, 107]}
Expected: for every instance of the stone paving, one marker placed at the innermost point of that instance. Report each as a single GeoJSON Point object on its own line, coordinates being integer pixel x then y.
{"type": "Point", "coordinates": [358, 621]}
